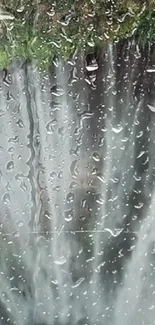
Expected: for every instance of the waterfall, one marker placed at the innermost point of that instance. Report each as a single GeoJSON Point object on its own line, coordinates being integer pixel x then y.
{"type": "Point", "coordinates": [77, 190]}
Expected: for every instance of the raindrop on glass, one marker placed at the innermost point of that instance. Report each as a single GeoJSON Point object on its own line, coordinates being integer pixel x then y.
{"type": "Point", "coordinates": [10, 166]}
{"type": "Point", "coordinates": [96, 156]}
{"type": "Point", "coordinates": [70, 197]}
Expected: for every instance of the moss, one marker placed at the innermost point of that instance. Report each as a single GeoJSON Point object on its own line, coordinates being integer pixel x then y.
{"type": "Point", "coordinates": [44, 28]}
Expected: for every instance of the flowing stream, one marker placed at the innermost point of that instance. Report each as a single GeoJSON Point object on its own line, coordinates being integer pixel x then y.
{"type": "Point", "coordinates": [77, 201]}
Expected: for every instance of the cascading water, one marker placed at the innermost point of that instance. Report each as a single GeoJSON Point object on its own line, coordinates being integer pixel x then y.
{"type": "Point", "coordinates": [77, 191]}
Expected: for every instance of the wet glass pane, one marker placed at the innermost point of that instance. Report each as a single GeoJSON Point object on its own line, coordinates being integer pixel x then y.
{"type": "Point", "coordinates": [77, 162]}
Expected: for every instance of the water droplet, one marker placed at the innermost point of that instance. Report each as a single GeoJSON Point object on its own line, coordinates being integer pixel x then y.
{"type": "Point", "coordinates": [101, 177]}
{"type": "Point", "coordinates": [20, 9]}
{"type": "Point", "coordinates": [82, 218]}
{"type": "Point", "coordinates": [51, 12]}
{"type": "Point", "coordinates": [73, 184]}
{"type": "Point", "coordinates": [96, 156]}
{"type": "Point", "coordinates": [151, 69]}
{"type": "Point", "coordinates": [60, 175]}
{"type": "Point", "coordinates": [78, 282]}
{"type": "Point", "coordinates": [114, 233]}
{"type": "Point", "coordinates": [56, 188]}
{"type": "Point", "coordinates": [99, 267]}
{"type": "Point", "coordinates": [140, 134]}
{"type": "Point", "coordinates": [70, 197]}
{"type": "Point", "coordinates": [57, 90]}
{"type": "Point", "coordinates": [10, 242]}
{"type": "Point", "coordinates": [139, 206]}
{"type": "Point", "coordinates": [69, 215]}
{"type": "Point", "coordinates": [61, 261]}
{"type": "Point", "coordinates": [10, 166]}
{"type": "Point", "coordinates": [48, 215]}
{"type": "Point", "coordinates": [115, 180]}
{"type": "Point", "coordinates": [20, 123]}
{"type": "Point", "coordinates": [23, 186]}
{"type": "Point", "coordinates": [113, 199]}
{"type": "Point", "coordinates": [91, 43]}
{"type": "Point", "coordinates": [20, 223]}
{"type": "Point", "coordinates": [55, 107]}
{"type": "Point", "coordinates": [94, 171]}
{"type": "Point", "coordinates": [11, 150]}
{"type": "Point", "coordinates": [92, 79]}
{"type": "Point", "coordinates": [117, 130]}
{"type": "Point", "coordinates": [92, 66]}
{"type": "Point", "coordinates": [8, 187]}
{"type": "Point", "coordinates": [14, 139]}
{"type": "Point", "coordinates": [101, 142]}
{"type": "Point", "coordinates": [73, 168]}
{"type": "Point", "coordinates": [137, 178]}
{"type": "Point", "coordinates": [146, 161]}
{"type": "Point", "coordinates": [100, 198]}
{"type": "Point", "coordinates": [53, 175]}
{"type": "Point", "coordinates": [85, 116]}
{"type": "Point", "coordinates": [84, 203]}
{"type": "Point", "coordinates": [90, 259]}
{"type": "Point", "coordinates": [6, 198]}
{"type": "Point", "coordinates": [141, 154]}
{"type": "Point", "coordinates": [49, 127]}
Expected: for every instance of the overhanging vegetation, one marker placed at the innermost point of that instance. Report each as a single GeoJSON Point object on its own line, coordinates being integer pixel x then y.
{"type": "Point", "coordinates": [40, 29]}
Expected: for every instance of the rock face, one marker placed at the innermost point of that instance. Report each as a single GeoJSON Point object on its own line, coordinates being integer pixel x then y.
{"type": "Point", "coordinates": [77, 174]}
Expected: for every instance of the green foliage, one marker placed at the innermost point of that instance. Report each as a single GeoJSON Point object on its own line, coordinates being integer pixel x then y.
{"type": "Point", "coordinates": [4, 59]}
{"type": "Point", "coordinates": [146, 28]}
{"type": "Point", "coordinates": [43, 28]}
